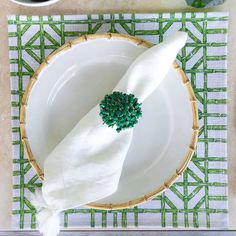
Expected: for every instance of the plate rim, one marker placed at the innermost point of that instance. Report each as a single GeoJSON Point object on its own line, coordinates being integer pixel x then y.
{"type": "Point", "coordinates": [185, 82]}
{"type": "Point", "coordinates": [42, 4]}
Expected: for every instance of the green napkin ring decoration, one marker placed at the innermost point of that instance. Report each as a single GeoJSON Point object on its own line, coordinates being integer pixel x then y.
{"type": "Point", "coordinates": [121, 110]}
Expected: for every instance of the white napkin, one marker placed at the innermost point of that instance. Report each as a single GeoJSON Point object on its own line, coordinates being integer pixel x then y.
{"type": "Point", "coordinates": [86, 165]}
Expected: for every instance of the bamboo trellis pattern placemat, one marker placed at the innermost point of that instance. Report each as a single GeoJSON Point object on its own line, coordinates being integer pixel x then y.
{"type": "Point", "coordinates": [199, 198]}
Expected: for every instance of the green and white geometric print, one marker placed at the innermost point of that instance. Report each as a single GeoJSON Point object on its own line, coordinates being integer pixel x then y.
{"type": "Point", "coordinates": [199, 198]}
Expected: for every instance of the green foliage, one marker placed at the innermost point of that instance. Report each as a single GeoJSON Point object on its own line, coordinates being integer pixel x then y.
{"type": "Point", "coordinates": [204, 3]}
{"type": "Point", "coordinates": [120, 110]}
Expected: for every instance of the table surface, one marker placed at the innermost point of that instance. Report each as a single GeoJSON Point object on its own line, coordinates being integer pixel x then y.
{"type": "Point", "coordinates": [104, 6]}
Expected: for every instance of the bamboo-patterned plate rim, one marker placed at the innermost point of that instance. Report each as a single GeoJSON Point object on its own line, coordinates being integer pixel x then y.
{"type": "Point", "coordinates": [186, 83]}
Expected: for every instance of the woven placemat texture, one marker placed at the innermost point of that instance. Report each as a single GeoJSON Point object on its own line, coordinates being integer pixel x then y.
{"type": "Point", "coordinates": [199, 198]}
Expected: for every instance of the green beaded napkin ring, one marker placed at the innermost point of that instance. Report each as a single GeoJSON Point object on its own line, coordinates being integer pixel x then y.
{"type": "Point", "coordinates": [121, 110]}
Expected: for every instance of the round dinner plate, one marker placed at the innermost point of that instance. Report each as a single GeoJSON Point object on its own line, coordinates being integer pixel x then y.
{"type": "Point", "coordinates": [75, 78]}
{"type": "Point", "coordinates": [30, 3]}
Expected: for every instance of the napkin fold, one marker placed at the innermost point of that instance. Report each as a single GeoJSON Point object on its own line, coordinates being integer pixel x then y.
{"type": "Point", "coordinates": [86, 165]}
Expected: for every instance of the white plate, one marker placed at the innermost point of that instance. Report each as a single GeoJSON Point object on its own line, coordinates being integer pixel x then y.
{"type": "Point", "coordinates": [29, 3]}
{"type": "Point", "coordinates": [76, 78]}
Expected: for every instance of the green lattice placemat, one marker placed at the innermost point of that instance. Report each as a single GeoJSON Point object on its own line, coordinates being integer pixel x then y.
{"type": "Point", "coordinates": [199, 198]}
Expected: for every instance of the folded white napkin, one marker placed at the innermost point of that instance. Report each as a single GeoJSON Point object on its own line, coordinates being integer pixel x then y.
{"type": "Point", "coordinates": [86, 165]}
